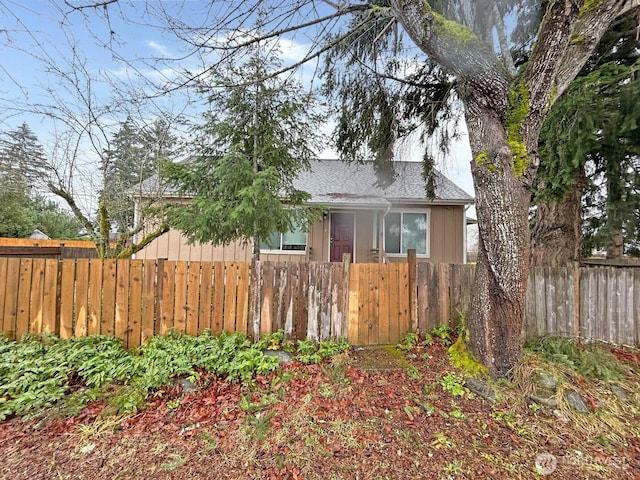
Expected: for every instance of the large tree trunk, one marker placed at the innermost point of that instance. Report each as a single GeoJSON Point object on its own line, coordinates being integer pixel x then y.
{"type": "Point", "coordinates": [504, 113]}
{"type": "Point", "coordinates": [556, 236]}
{"type": "Point", "coordinates": [499, 290]}
{"type": "Point", "coordinates": [615, 246]}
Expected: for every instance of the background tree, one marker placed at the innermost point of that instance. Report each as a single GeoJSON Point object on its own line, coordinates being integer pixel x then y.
{"type": "Point", "coordinates": [589, 150]}
{"type": "Point", "coordinates": [259, 134]}
{"type": "Point", "coordinates": [15, 218]}
{"type": "Point", "coordinates": [123, 167]}
{"type": "Point", "coordinates": [51, 219]}
{"type": "Point", "coordinates": [80, 101]}
{"type": "Point", "coordinates": [134, 155]}
{"type": "Point", "coordinates": [23, 207]}
{"type": "Point", "coordinates": [22, 159]}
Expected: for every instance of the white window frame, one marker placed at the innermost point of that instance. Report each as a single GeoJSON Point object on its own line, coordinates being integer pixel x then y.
{"type": "Point", "coordinates": [287, 252]}
{"type": "Point", "coordinates": [401, 211]}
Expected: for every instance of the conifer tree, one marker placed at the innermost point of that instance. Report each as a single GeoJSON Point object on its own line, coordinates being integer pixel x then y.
{"type": "Point", "coordinates": [589, 148]}
{"type": "Point", "coordinates": [259, 134]}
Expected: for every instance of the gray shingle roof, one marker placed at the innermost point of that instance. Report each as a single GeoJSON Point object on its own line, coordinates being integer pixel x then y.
{"type": "Point", "coordinates": [334, 181]}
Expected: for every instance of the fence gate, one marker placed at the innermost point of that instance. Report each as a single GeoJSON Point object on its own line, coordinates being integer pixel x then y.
{"type": "Point", "coordinates": [378, 303]}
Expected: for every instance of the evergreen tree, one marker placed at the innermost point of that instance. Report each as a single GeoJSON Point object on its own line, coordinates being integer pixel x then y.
{"type": "Point", "coordinates": [51, 219]}
{"type": "Point", "coordinates": [123, 166]}
{"type": "Point", "coordinates": [22, 165]}
{"type": "Point", "coordinates": [22, 159]}
{"type": "Point", "coordinates": [259, 135]}
{"type": "Point", "coordinates": [589, 149]}
{"type": "Point", "coordinates": [135, 155]}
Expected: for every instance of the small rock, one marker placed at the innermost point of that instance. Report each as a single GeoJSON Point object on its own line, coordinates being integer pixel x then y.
{"type": "Point", "coordinates": [576, 401]}
{"type": "Point", "coordinates": [283, 357]}
{"type": "Point", "coordinates": [560, 415]}
{"type": "Point", "coordinates": [619, 392]}
{"type": "Point", "coordinates": [545, 380]}
{"type": "Point", "coordinates": [187, 386]}
{"type": "Point", "coordinates": [88, 448]}
{"type": "Point", "coordinates": [481, 388]}
{"type": "Point", "coordinates": [551, 402]}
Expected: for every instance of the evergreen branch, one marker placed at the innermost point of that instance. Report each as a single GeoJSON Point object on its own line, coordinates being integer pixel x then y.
{"type": "Point", "coordinates": [586, 33]}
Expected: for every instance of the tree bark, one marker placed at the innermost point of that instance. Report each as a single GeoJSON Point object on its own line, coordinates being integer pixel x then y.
{"type": "Point", "coordinates": [504, 114]}
{"type": "Point", "coordinates": [499, 290]}
{"type": "Point", "coordinates": [556, 236]}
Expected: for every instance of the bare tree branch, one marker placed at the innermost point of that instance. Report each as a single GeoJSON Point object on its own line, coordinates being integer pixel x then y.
{"type": "Point", "coordinates": [588, 30]}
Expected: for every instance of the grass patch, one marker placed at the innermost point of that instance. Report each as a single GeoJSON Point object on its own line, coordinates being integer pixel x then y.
{"type": "Point", "coordinates": [591, 371]}
{"type": "Point", "coordinates": [591, 360]}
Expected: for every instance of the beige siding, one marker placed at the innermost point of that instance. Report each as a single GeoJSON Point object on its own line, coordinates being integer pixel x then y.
{"type": "Point", "coordinates": [173, 246]}
{"type": "Point", "coordinates": [446, 239]}
{"type": "Point", "coordinates": [447, 235]}
{"type": "Point", "coordinates": [318, 241]}
{"type": "Point", "coordinates": [284, 257]}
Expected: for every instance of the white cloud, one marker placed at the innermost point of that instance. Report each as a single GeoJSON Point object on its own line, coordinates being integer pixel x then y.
{"type": "Point", "coordinates": [161, 49]}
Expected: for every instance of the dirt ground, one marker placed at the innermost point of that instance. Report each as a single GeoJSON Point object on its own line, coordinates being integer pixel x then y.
{"type": "Point", "coordinates": [345, 419]}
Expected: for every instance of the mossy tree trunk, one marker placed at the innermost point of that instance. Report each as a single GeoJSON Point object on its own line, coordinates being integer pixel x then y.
{"type": "Point", "coordinates": [504, 114]}
{"type": "Point", "coordinates": [499, 290]}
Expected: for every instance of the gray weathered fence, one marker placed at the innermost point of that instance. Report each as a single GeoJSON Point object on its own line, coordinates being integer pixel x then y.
{"type": "Point", "coordinates": [366, 303]}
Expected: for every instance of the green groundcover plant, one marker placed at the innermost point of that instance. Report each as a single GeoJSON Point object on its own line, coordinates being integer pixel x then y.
{"type": "Point", "coordinates": [41, 372]}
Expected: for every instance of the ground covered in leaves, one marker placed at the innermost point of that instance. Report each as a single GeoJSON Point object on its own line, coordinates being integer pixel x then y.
{"type": "Point", "coordinates": [341, 418]}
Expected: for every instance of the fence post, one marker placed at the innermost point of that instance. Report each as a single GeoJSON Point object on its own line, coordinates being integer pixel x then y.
{"type": "Point", "coordinates": [413, 293]}
{"type": "Point", "coordinates": [255, 290]}
{"type": "Point", "coordinates": [576, 298]}
{"type": "Point", "coordinates": [159, 289]}
{"type": "Point", "coordinates": [346, 262]}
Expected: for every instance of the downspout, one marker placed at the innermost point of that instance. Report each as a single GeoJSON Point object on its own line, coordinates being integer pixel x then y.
{"type": "Point", "coordinates": [464, 234]}
{"type": "Point", "coordinates": [381, 250]}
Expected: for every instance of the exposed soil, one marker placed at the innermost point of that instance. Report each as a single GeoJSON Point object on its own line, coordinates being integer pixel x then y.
{"type": "Point", "coordinates": [329, 421]}
{"type": "Point", "coordinates": [379, 359]}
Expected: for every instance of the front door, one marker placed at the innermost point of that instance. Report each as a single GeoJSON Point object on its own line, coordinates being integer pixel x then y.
{"type": "Point", "coordinates": [341, 236]}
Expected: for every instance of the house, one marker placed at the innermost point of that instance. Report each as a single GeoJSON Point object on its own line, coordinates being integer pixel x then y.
{"type": "Point", "coordinates": [39, 235]}
{"type": "Point", "coordinates": [371, 223]}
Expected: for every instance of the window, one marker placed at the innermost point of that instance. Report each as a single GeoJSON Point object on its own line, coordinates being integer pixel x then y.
{"type": "Point", "coordinates": [406, 230]}
{"type": "Point", "coordinates": [289, 241]}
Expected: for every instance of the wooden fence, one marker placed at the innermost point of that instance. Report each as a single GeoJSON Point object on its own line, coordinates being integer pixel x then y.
{"type": "Point", "coordinates": [40, 248]}
{"type": "Point", "coordinates": [365, 303]}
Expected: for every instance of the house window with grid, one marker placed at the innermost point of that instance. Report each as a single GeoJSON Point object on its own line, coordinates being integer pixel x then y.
{"type": "Point", "coordinates": [406, 230]}
{"type": "Point", "coordinates": [290, 241]}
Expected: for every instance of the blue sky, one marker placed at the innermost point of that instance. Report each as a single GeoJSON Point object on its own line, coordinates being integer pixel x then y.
{"type": "Point", "coordinates": [40, 29]}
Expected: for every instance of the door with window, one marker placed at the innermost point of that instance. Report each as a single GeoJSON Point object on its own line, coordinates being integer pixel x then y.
{"type": "Point", "coordinates": [341, 239]}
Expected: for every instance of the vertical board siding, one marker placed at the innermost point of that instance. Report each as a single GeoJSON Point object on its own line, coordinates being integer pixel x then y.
{"type": "Point", "coordinates": [365, 303]}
